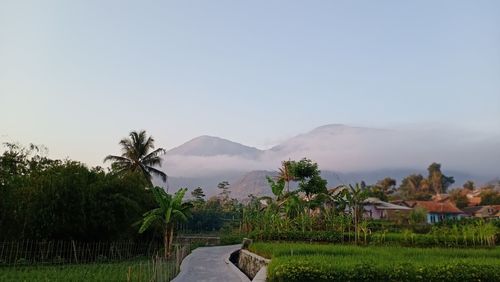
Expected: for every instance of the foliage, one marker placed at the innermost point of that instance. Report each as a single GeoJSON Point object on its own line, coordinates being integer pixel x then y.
{"type": "Point", "coordinates": [469, 185]}
{"type": "Point", "coordinates": [171, 211]}
{"type": "Point", "coordinates": [231, 239]}
{"type": "Point", "coordinates": [311, 262]}
{"type": "Point", "coordinates": [198, 195]}
{"type": "Point", "coordinates": [438, 182]}
{"type": "Point", "coordinates": [416, 187]}
{"type": "Point", "coordinates": [418, 215]}
{"type": "Point", "coordinates": [139, 270]}
{"type": "Point", "coordinates": [490, 197]}
{"type": "Point", "coordinates": [50, 199]}
{"type": "Point", "coordinates": [138, 156]}
{"type": "Point", "coordinates": [285, 174]}
{"type": "Point", "coordinates": [277, 187]}
{"type": "Point", "coordinates": [308, 174]}
{"type": "Point", "coordinates": [459, 198]}
{"type": "Point", "coordinates": [355, 195]}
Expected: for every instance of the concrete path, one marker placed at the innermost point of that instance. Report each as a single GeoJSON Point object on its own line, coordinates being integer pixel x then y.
{"type": "Point", "coordinates": [209, 264]}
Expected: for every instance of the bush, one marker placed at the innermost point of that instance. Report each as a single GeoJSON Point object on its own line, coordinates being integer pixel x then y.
{"type": "Point", "coordinates": [231, 239]}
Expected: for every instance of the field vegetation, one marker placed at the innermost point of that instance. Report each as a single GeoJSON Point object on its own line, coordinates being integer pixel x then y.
{"type": "Point", "coordinates": [316, 262]}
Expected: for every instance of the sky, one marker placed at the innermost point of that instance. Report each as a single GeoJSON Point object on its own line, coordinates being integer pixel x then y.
{"type": "Point", "coordinates": [77, 76]}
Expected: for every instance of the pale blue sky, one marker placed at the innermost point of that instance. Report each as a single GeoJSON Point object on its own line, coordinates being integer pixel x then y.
{"type": "Point", "coordinates": [79, 75]}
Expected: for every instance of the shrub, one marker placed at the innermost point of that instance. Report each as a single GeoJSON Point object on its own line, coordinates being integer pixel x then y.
{"type": "Point", "coordinates": [231, 239]}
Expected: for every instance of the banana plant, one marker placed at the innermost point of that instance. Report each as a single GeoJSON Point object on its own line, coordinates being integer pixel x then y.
{"type": "Point", "coordinates": [355, 195]}
{"type": "Point", "coordinates": [171, 211]}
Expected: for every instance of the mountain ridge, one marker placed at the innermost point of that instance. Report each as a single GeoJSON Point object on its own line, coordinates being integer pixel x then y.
{"type": "Point", "coordinates": [344, 153]}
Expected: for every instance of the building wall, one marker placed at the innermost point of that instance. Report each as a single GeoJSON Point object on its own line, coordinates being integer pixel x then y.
{"type": "Point", "coordinates": [372, 212]}
{"type": "Point", "coordinates": [437, 217]}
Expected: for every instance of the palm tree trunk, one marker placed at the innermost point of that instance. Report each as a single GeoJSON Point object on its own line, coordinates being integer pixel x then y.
{"type": "Point", "coordinates": [165, 243]}
{"type": "Point", "coordinates": [167, 239]}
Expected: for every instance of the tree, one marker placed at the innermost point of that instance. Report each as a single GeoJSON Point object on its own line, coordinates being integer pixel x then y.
{"type": "Point", "coordinates": [459, 198]}
{"type": "Point", "coordinates": [171, 211]}
{"type": "Point", "coordinates": [415, 187]}
{"type": "Point", "coordinates": [469, 185]}
{"type": "Point", "coordinates": [439, 182]}
{"type": "Point", "coordinates": [198, 195]}
{"type": "Point", "coordinates": [387, 185]}
{"type": "Point", "coordinates": [138, 155]}
{"type": "Point", "coordinates": [490, 197]}
{"type": "Point", "coordinates": [285, 173]}
{"type": "Point", "coordinates": [47, 199]}
{"type": "Point", "coordinates": [308, 175]}
{"type": "Point", "coordinates": [224, 188]}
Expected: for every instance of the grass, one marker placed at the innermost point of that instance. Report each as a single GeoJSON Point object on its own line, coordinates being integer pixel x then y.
{"type": "Point", "coordinates": [315, 262]}
{"type": "Point", "coordinates": [141, 270]}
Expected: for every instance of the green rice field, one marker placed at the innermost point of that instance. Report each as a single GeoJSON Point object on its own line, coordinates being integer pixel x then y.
{"type": "Point", "coordinates": [315, 262]}
{"type": "Point", "coordinates": [143, 270]}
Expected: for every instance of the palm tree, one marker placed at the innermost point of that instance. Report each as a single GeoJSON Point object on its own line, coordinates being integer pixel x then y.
{"type": "Point", "coordinates": [286, 174]}
{"type": "Point", "coordinates": [138, 157]}
{"type": "Point", "coordinates": [171, 211]}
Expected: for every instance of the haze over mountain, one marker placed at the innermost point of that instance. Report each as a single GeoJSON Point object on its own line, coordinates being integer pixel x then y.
{"type": "Point", "coordinates": [344, 154]}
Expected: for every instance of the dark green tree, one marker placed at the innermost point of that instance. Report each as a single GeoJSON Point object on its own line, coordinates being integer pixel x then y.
{"type": "Point", "coordinates": [198, 195]}
{"type": "Point", "coordinates": [439, 182]}
{"type": "Point", "coordinates": [308, 174]}
{"type": "Point", "coordinates": [469, 185]}
{"type": "Point", "coordinates": [415, 187]}
{"type": "Point", "coordinates": [138, 155]}
{"type": "Point", "coordinates": [224, 190]}
{"type": "Point", "coordinates": [490, 197]}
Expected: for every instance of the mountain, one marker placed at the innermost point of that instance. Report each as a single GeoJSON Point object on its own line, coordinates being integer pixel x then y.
{"type": "Point", "coordinates": [325, 136]}
{"type": "Point", "coordinates": [206, 146]}
{"type": "Point", "coordinates": [345, 154]}
{"type": "Point", "coordinates": [254, 182]}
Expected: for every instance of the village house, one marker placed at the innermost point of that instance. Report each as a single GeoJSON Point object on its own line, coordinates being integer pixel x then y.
{"type": "Point", "coordinates": [491, 211]}
{"type": "Point", "coordinates": [375, 208]}
{"type": "Point", "coordinates": [437, 211]}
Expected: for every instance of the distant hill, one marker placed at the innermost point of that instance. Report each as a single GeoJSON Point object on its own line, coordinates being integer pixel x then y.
{"type": "Point", "coordinates": [254, 183]}
{"type": "Point", "coordinates": [345, 154]}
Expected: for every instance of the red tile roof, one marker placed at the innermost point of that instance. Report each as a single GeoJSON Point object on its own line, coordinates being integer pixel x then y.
{"type": "Point", "coordinates": [474, 201]}
{"type": "Point", "coordinates": [436, 207]}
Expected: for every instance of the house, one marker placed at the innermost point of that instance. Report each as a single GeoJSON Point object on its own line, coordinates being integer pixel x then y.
{"type": "Point", "coordinates": [437, 211]}
{"type": "Point", "coordinates": [491, 211]}
{"type": "Point", "coordinates": [378, 209]}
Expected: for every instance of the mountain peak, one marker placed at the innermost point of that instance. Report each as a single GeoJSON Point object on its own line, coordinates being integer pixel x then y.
{"type": "Point", "coordinates": [206, 145]}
